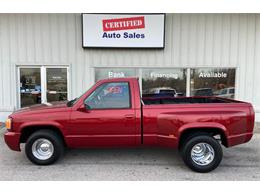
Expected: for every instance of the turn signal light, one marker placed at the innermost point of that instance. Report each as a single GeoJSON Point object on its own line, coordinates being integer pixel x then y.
{"type": "Point", "coordinates": [8, 124]}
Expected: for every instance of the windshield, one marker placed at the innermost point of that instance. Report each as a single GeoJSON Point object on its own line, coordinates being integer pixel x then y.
{"type": "Point", "coordinates": [75, 100]}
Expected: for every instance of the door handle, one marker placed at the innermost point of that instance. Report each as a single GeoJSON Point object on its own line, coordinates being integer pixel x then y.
{"type": "Point", "coordinates": [129, 116]}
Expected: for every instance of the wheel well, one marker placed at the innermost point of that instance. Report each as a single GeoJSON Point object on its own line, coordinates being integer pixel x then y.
{"type": "Point", "coordinates": [195, 131]}
{"type": "Point", "coordinates": [28, 131]}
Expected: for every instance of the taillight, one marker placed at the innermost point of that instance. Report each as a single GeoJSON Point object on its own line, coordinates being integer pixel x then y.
{"type": "Point", "coordinates": [8, 124]}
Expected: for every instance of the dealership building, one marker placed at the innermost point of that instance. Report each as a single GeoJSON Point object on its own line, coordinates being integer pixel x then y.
{"type": "Point", "coordinates": [55, 57]}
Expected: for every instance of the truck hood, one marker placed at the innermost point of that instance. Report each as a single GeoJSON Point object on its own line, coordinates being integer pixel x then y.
{"type": "Point", "coordinates": [40, 107]}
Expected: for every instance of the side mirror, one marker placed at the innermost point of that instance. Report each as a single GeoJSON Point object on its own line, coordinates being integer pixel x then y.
{"type": "Point", "coordinates": [83, 108]}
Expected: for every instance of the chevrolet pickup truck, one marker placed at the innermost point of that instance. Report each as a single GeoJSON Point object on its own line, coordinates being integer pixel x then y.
{"type": "Point", "coordinates": [113, 114]}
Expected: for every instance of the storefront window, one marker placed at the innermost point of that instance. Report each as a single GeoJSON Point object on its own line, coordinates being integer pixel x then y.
{"type": "Point", "coordinates": [172, 81]}
{"type": "Point", "coordinates": [103, 73]}
{"type": "Point", "coordinates": [163, 82]}
{"type": "Point", "coordinates": [213, 82]}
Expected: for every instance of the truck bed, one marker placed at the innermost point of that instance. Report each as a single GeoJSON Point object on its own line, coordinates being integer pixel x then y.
{"type": "Point", "coordinates": [186, 100]}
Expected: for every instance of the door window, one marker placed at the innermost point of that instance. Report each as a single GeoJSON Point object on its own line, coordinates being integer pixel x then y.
{"type": "Point", "coordinates": [30, 86]}
{"type": "Point", "coordinates": [56, 84]}
{"type": "Point", "coordinates": [110, 95]}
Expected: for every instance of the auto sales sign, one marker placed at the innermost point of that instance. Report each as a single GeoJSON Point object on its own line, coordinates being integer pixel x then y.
{"type": "Point", "coordinates": [123, 30]}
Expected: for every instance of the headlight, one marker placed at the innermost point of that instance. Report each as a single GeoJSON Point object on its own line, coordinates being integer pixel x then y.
{"type": "Point", "coordinates": [8, 124]}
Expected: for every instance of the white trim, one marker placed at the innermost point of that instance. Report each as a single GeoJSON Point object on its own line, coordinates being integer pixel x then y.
{"type": "Point", "coordinates": [140, 73]}
{"type": "Point", "coordinates": [43, 85]}
{"type": "Point", "coordinates": [41, 64]}
{"type": "Point", "coordinates": [188, 82]}
{"type": "Point", "coordinates": [18, 94]}
{"type": "Point", "coordinates": [68, 83]}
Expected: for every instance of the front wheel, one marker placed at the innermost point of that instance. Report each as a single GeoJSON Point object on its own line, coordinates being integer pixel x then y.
{"type": "Point", "coordinates": [44, 147]}
{"type": "Point", "coordinates": [202, 153]}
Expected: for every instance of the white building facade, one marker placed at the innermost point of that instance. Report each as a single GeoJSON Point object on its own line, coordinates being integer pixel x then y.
{"type": "Point", "coordinates": [42, 59]}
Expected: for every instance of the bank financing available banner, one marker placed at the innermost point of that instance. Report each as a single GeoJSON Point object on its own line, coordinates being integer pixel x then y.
{"type": "Point", "coordinates": [123, 30]}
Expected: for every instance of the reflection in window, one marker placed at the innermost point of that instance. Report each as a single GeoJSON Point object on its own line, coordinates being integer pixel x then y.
{"type": "Point", "coordinates": [110, 95]}
{"type": "Point", "coordinates": [163, 82]}
{"type": "Point", "coordinates": [56, 84]}
{"type": "Point", "coordinates": [213, 82]}
{"type": "Point", "coordinates": [30, 86]}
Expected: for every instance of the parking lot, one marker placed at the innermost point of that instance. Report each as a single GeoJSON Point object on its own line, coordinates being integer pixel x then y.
{"type": "Point", "coordinates": [239, 163]}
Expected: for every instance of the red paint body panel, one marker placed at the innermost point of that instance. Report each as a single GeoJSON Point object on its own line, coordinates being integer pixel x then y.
{"type": "Point", "coordinates": [12, 140]}
{"type": "Point", "coordinates": [147, 125]}
{"type": "Point", "coordinates": [169, 121]}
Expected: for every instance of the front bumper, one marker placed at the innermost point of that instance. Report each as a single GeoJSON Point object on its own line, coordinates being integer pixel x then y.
{"type": "Point", "coordinates": [12, 139]}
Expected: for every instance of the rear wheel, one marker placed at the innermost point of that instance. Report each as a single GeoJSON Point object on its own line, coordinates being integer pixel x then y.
{"type": "Point", "coordinates": [201, 153]}
{"type": "Point", "coordinates": [44, 147]}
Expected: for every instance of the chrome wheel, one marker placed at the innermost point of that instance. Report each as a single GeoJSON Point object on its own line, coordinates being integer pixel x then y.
{"type": "Point", "coordinates": [42, 149]}
{"type": "Point", "coordinates": [202, 154]}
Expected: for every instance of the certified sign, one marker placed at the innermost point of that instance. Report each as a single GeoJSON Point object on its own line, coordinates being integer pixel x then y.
{"type": "Point", "coordinates": [123, 30]}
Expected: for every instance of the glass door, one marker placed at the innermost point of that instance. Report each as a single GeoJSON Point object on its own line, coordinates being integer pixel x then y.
{"type": "Point", "coordinates": [42, 84]}
{"type": "Point", "coordinates": [30, 86]}
{"type": "Point", "coordinates": [57, 85]}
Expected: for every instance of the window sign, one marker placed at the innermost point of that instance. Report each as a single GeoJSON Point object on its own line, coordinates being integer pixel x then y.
{"type": "Point", "coordinates": [103, 73]}
{"type": "Point", "coordinates": [213, 82]}
{"type": "Point", "coordinates": [163, 82]}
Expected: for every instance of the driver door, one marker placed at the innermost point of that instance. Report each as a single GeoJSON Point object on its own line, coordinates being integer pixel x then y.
{"type": "Point", "coordinates": [109, 119]}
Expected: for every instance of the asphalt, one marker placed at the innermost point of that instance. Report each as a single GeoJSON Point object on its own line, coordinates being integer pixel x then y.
{"type": "Point", "coordinates": [239, 163]}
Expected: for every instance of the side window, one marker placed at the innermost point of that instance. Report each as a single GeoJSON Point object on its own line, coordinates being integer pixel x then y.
{"type": "Point", "coordinates": [109, 95]}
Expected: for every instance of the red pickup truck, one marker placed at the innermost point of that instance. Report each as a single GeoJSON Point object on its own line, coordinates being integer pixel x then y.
{"type": "Point", "coordinates": [113, 114]}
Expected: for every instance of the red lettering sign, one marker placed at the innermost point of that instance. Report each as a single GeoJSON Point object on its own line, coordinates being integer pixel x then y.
{"type": "Point", "coordinates": [123, 23]}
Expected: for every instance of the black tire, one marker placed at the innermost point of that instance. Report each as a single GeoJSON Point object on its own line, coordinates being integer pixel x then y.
{"type": "Point", "coordinates": [186, 150]}
{"type": "Point", "coordinates": [51, 136]}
